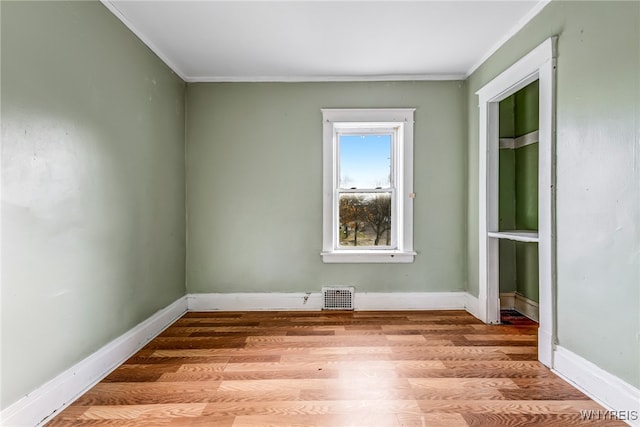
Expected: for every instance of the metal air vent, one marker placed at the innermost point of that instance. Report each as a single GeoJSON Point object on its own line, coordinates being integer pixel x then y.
{"type": "Point", "coordinates": [337, 297]}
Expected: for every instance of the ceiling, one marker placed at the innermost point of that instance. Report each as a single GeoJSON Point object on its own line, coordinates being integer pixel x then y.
{"type": "Point", "coordinates": [306, 40]}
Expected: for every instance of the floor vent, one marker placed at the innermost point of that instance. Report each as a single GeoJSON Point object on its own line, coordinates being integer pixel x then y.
{"type": "Point", "coordinates": [337, 297]}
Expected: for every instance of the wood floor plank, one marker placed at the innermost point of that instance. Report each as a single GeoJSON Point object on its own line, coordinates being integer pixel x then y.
{"type": "Point", "coordinates": [388, 392]}
{"type": "Point", "coordinates": [433, 420]}
{"type": "Point", "coordinates": [342, 420]}
{"type": "Point", "coordinates": [273, 385]}
{"type": "Point", "coordinates": [255, 358]}
{"type": "Point", "coordinates": [131, 393]}
{"type": "Point", "coordinates": [142, 422]}
{"type": "Point", "coordinates": [571, 407]}
{"type": "Point", "coordinates": [129, 412]}
{"type": "Point", "coordinates": [141, 372]}
{"type": "Point", "coordinates": [202, 367]}
{"type": "Point", "coordinates": [503, 337]}
{"type": "Point", "coordinates": [335, 357]}
{"type": "Point", "coordinates": [322, 364]}
{"type": "Point", "coordinates": [314, 407]}
{"type": "Point", "coordinates": [362, 369]}
{"type": "Point", "coordinates": [464, 372]}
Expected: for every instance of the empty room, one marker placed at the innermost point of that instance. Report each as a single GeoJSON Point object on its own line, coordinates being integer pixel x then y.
{"type": "Point", "coordinates": [320, 213]}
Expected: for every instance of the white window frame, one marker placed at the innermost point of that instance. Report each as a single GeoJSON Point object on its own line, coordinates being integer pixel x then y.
{"type": "Point", "coordinates": [340, 121]}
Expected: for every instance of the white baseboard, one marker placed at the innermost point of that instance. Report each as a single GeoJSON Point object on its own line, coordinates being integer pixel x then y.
{"type": "Point", "coordinates": [313, 301]}
{"type": "Point", "coordinates": [472, 305]}
{"type": "Point", "coordinates": [255, 301]}
{"type": "Point", "coordinates": [527, 307]}
{"type": "Point", "coordinates": [507, 300]}
{"type": "Point", "coordinates": [410, 300]}
{"type": "Point", "coordinates": [520, 303]}
{"type": "Point", "coordinates": [42, 404]}
{"type": "Point", "coordinates": [610, 391]}
{"type": "Point", "coordinates": [545, 348]}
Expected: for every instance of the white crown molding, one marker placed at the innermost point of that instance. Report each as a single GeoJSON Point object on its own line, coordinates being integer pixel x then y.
{"type": "Point", "coordinates": [109, 4]}
{"type": "Point", "coordinates": [311, 79]}
{"type": "Point", "coordinates": [39, 406]}
{"type": "Point", "coordinates": [514, 30]}
{"type": "Point", "coordinates": [601, 386]}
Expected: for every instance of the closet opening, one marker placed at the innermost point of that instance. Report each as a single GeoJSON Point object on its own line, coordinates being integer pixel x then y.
{"type": "Point", "coordinates": [518, 205]}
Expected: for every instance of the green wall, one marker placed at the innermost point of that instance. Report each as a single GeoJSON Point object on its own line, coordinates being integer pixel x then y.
{"type": "Point", "coordinates": [526, 170]}
{"type": "Point", "coordinates": [93, 220]}
{"type": "Point", "coordinates": [526, 105]}
{"type": "Point", "coordinates": [507, 215]}
{"type": "Point", "coordinates": [598, 175]}
{"type": "Point", "coordinates": [254, 179]}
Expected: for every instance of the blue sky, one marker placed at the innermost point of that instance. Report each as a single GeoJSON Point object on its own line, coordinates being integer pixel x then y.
{"type": "Point", "coordinates": [365, 161]}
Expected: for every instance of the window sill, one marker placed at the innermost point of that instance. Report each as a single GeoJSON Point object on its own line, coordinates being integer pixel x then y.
{"type": "Point", "coordinates": [368, 257]}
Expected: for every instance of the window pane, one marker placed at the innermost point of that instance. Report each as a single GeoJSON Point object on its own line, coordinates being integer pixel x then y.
{"type": "Point", "coordinates": [365, 161]}
{"type": "Point", "coordinates": [365, 219]}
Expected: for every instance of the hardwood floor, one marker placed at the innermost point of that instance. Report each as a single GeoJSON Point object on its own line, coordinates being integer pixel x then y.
{"type": "Point", "coordinates": [431, 368]}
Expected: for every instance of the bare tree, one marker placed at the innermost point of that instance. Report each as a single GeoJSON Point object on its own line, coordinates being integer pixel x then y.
{"type": "Point", "coordinates": [378, 216]}
{"type": "Point", "coordinates": [352, 214]}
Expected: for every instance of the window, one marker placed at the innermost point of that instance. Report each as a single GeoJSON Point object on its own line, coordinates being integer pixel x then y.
{"type": "Point", "coordinates": [368, 185]}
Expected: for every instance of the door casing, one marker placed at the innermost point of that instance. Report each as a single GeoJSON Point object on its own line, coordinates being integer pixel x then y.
{"type": "Point", "coordinates": [539, 64]}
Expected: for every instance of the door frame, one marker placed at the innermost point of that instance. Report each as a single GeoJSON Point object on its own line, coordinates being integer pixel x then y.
{"type": "Point", "coordinates": [539, 64]}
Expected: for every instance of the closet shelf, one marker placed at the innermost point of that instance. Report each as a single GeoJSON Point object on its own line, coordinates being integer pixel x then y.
{"type": "Point", "coordinates": [517, 235]}
{"type": "Point", "coordinates": [521, 141]}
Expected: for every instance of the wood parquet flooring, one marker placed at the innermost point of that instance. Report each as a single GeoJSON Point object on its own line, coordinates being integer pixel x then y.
{"type": "Point", "coordinates": [377, 369]}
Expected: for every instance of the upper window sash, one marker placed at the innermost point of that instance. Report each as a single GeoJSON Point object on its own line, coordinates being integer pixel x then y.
{"type": "Point", "coordinates": [391, 131]}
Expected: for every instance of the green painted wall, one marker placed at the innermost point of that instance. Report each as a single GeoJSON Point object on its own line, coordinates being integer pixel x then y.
{"type": "Point", "coordinates": [507, 208]}
{"type": "Point", "coordinates": [93, 219]}
{"type": "Point", "coordinates": [598, 175]}
{"type": "Point", "coordinates": [254, 179]}
{"type": "Point", "coordinates": [527, 270]}
{"type": "Point", "coordinates": [526, 171]}
{"type": "Point", "coordinates": [526, 117]}
{"type": "Point", "coordinates": [506, 118]}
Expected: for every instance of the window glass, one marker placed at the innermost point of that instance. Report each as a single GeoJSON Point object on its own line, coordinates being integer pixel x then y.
{"type": "Point", "coordinates": [365, 219]}
{"type": "Point", "coordinates": [365, 161]}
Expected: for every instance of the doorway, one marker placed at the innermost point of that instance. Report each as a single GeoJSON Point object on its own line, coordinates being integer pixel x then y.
{"type": "Point", "coordinates": [537, 66]}
{"type": "Point", "coordinates": [518, 203]}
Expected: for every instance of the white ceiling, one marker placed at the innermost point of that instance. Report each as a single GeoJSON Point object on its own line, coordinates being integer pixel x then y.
{"type": "Point", "coordinates": [305, 40]}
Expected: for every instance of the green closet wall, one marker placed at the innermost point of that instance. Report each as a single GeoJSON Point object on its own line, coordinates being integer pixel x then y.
{"type": "Point", "coordinates": [518, 193]}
